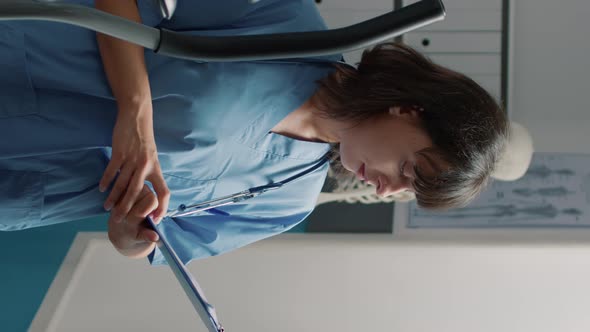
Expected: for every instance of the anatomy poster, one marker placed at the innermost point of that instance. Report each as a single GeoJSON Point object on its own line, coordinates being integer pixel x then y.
{"type": "Point", "coordinates": [555, 191]}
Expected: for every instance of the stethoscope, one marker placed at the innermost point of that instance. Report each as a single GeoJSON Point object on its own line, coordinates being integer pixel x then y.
{"type": "Point", "coordinates": [184, 210]}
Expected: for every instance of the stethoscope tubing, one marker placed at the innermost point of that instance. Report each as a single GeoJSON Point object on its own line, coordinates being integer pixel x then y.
{"type": "Point", "coordinates": [189, 210]}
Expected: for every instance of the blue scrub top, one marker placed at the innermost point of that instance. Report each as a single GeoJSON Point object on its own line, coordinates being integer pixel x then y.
{"type": "Point", "coordinates": [212, 123]}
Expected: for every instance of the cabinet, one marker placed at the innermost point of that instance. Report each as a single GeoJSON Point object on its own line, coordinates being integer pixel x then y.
{"type": "Point", "coordinates": [471, 40]}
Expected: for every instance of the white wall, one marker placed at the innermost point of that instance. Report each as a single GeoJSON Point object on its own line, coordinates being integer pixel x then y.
{"type": "Point", "coordinates": [552, 72]}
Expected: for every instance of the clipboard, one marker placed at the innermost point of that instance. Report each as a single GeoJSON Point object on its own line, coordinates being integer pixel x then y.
{"type": "Point", "coordinates": [190, 286]}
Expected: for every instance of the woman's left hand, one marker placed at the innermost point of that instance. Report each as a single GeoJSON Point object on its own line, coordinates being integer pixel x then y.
{"type": "Point", "coordinates": [135, 155]}
{"type": "Point", "coordinates": [134, 237]}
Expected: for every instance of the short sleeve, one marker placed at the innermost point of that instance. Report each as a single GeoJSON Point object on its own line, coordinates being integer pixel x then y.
{"type": "Point", "coordinates": [246, 222]}
{"type": "Point", "coordinates": [210, 235]}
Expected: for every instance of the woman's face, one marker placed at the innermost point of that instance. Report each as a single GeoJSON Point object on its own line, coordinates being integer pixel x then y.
{"type": "Point", "coordinates": [382, 150]}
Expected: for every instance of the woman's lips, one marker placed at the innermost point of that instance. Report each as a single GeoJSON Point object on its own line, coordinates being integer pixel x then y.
{"type": "Point", "coordinates": [361, 172]}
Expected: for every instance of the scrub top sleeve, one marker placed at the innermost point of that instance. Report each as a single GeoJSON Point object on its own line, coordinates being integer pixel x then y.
{"type": "Point", "coordinates": [253, 220]}
{"type": "Point", "coordinates": [150, 13]}
{"type": "Point", "coordinates": [210, 235]}
{"type": "Point", "coordinates": [242, 17]}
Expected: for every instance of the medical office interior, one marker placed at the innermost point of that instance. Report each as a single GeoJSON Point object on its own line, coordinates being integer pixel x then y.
{"type": "Point", "coordinates": [514, 260]}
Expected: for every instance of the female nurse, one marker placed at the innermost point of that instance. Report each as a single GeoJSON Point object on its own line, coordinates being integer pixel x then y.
{"type": "Point", "coordinates": [92, 118]}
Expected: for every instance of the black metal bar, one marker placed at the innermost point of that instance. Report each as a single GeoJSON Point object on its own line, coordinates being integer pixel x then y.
{"type": "Point", "coordinates": [301, 44]}
{"type": "Point", "coordinates": [231, 48]}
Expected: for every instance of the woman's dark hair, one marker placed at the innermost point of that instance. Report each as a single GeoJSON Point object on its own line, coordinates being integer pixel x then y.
{"type": "Point", "coordinates": [468, 127]}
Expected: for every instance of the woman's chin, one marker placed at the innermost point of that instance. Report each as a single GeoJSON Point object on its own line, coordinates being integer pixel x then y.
{"type": "Point", "coordinates": [346, 166]}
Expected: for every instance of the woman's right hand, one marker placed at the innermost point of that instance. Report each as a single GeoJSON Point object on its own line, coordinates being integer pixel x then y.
{"type": "Point", "coordinates": [133, 237]}
{"type": "Point", "coordinates": [135, 157]}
